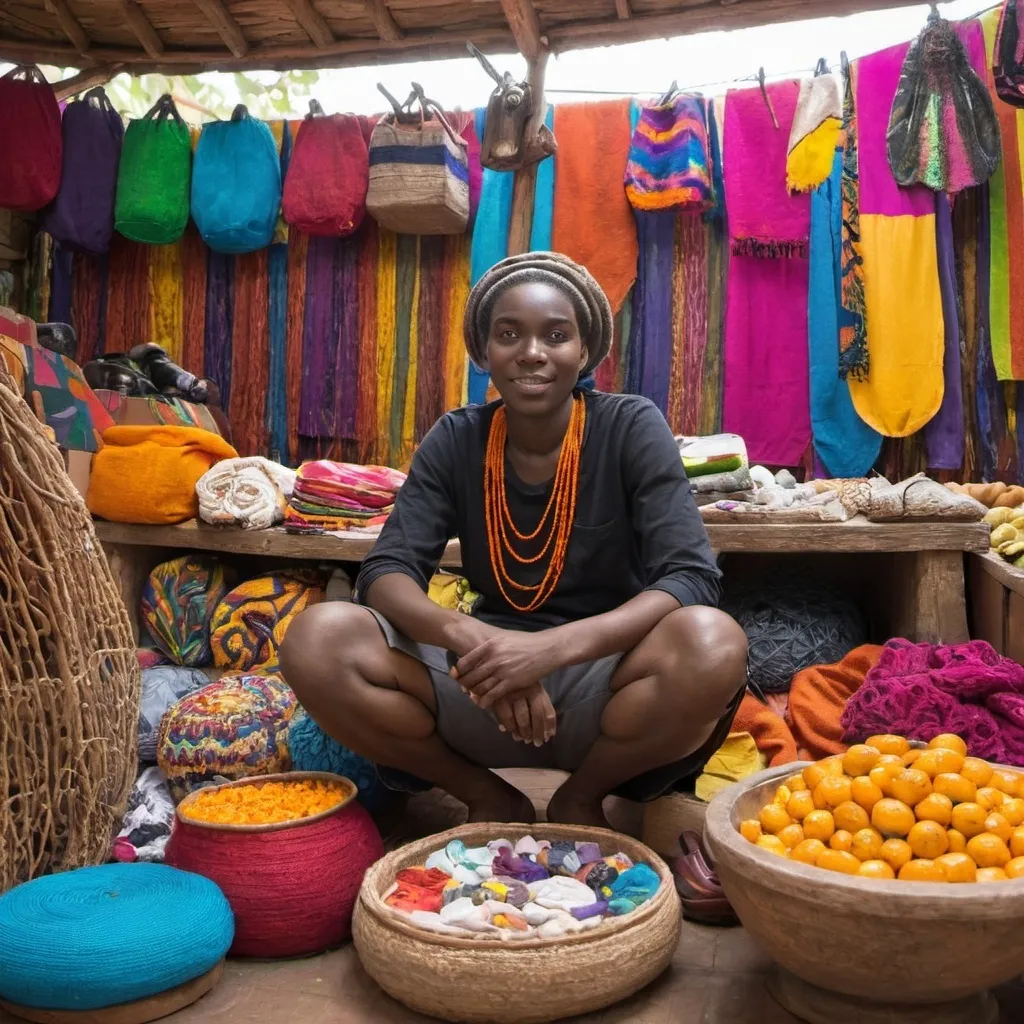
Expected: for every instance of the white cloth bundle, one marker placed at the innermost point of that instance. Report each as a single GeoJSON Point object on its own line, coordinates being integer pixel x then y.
{"type": "Point", "coordinates": [250, 492]}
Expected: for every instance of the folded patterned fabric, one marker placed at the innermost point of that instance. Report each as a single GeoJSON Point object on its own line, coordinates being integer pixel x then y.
{"type": "Point", "coordinates": [365, 486]}
{"type": "Point", "coordinates": [815, 132]}
{"type": "Point", "coordinates": [249, 492]}
{"type": "Point", "coordinates": [303, 522]}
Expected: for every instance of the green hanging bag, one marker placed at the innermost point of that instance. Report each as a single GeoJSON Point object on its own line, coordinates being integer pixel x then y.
{"type": "Point", "coordinates": [154, 176]}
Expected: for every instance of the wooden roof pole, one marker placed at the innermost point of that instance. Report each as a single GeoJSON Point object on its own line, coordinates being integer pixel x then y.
{"type": "Point", "coordinates": [312, 22]}
{"type": "Point", "coordinates": [70, 25]}
{"type": "Point", "coordinates": [622, 9]}
{"type": "Point", "coordinates": [143, 29]}
{"type": "Point", "coordinates": [227, 28]}
{"type": "Point", "coordinates": [383, 20]}
{"type": "Point", "coordinates": [522, 18]}
{"type": "Point", "coordinates": [87, 79]}
{"type": "Point", "coordinates": [524, 188]}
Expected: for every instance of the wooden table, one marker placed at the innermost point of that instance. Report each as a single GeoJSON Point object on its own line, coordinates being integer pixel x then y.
{"type": "Point", "coordinates": [913, 572]}
{"type": "Point", "coordinates": [996, 591]}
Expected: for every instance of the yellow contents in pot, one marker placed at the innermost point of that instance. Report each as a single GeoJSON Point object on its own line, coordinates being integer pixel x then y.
{"type": "Point", "coordinates": [268, 803]}
{"type": "Point", "coordinates": [884, 810]}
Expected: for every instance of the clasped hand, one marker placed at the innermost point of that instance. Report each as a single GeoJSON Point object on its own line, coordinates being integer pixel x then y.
{"type": "Point", "coordinates": [503, 673]}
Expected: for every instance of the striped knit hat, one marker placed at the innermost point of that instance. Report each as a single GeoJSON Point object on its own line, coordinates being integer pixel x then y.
{"type": "Point", "coordinates": [593, 311]}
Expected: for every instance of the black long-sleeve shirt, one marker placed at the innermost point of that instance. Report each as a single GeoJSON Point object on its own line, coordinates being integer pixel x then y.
{"type": "Point", "coordinates": [636, 526]}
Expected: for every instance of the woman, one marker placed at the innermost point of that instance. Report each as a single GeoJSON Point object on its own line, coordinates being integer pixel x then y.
{"type": "Point", "coordinates": [598, 648]}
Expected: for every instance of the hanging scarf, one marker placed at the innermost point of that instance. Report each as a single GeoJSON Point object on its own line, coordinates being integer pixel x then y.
{"type": "Point", "coordinates": [815, 132]}
{"type": "Point", "coordinates": [544, 197]}
{"type": "Point", "coordinates": [715, 243]}
{"type": "Point", "coordinates": [854, 361]}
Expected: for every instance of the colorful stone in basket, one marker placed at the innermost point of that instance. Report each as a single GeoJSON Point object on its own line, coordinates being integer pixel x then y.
{"type": "Point", "coordinates": [289, 852]}
{"type": "Point", "coordinates": [235, 728]}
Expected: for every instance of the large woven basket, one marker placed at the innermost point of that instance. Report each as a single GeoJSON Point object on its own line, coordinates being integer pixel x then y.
{"type": "Point", "coordinates": [528, 982]}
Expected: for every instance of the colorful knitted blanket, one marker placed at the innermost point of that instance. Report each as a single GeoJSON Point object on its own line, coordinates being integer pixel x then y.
{"type": "Point", "coordinates": [669, 164]}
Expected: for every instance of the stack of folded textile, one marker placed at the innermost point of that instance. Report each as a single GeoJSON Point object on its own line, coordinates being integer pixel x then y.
{"type": "Point", "coordinates": [339, 496]}
{"type": "Point", "coordinates": [716, 464]}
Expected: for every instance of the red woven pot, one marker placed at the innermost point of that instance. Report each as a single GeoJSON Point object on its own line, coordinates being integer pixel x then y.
{"type": "Point", "coordinates": [292, 886]}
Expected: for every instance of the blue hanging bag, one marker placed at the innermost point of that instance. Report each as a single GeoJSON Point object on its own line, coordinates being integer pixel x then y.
{"type": "Point", "coordinates": [236, 184]}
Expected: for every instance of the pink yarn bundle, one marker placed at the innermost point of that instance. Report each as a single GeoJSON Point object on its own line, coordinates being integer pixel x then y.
{"type": "Point", "coordinates": [921, 690]}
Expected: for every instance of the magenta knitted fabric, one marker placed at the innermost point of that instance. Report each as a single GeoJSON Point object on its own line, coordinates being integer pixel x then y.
{"type": "Point", "coordinates": [921, 690]}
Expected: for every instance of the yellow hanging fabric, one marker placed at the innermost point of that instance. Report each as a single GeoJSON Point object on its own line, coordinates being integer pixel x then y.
{"type": "Point", "coordinates": [166, 299]}
{"type": "Point", "coordinates": [387, 258]}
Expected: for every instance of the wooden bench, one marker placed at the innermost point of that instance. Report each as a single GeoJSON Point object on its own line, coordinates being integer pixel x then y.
{"type": "Point", "coordinates": [910, 577]}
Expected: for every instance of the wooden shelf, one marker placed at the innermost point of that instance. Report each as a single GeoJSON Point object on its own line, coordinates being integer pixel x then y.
{"type": "Point", "coordinates": [856, 536]}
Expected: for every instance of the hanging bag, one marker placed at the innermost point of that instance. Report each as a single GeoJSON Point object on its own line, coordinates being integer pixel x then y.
{"type": "Point", "coordinates": [1008, 55]}
{"type": "Point", "coordinates": [325, 188]}
{"type": "Point", "coordinates": [29, 140]}
{"type": "Point", "coordinates": [82, 215]}
{"type": "Point", "coordinates": [236, 184]}
{"type": "Point", "coordinates": [419, 171]}
{"type": "Point", "coordinates": [153, 176]}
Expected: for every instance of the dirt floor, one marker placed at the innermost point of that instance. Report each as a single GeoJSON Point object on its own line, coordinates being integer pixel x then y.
{"type": "Point", "coordinates": [717, 976]}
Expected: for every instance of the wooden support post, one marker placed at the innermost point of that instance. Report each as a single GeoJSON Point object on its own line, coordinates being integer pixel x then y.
{"type": "Point", "coordinates": [522, 19]}
{"type": "Point", "coordinates": [525, 187]}
{"type": "Point", "coordinates": [227, 28]}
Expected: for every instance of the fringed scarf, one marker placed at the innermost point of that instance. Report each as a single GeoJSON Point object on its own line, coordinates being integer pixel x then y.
{"type": "Point", "coordinates": [815, 133]}
{"type": "Point", "coordinates": [128, 300]}
{"type": "Point", "coordinates": [87, 284]}
{"type": "Point", "coordinates": [277, 396]}
{"type": "Point", "coordinates": [298, 256]}
{"type": "Point", "coordinates": [854, 361]}
{"type": "Point", "coordinates": [406, 280]}
{"type": "Point", "coordinates": [366, 404]}
{"type": "Point", "coordinates": [319, 341]}
{"type": "Point", "coordinates": [193, 300]}
{"type": "Point", "coordinates": [716, 240]}
{"type": "Point", "coordinates": [965, 245]}
{"type": "Point", "coordinates": [347, 314]}
{"type": "Point", "coordinates": [652, 310]}
{"type": "Point", "coordinates": [430, 383]}
{"type": "Point", "coordinates": [250, 353]}
{"type": "Point", "coordinates": [457, 289]}
{"type": "Point", "coordinates": [167, 300]}
{"type": "Point", "coordinates": [220, 274]}
{"type": "Point", "coordinates": [689, 324]}
{"type": "Point", "coordinates": [386, 327]}
{"type": "Point", "coordinates": [60, 285]}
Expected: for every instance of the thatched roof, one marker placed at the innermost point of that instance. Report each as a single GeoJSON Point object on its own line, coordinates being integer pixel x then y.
{"type": "Point", "coordinates": [186, 36]}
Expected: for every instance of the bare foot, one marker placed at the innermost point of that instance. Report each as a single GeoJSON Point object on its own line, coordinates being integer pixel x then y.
{"type": "Point", "coordinates": [511, 806]}
{"type": "Point", "coordinates": [570, 811]}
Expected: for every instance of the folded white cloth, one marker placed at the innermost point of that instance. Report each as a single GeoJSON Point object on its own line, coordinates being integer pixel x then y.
{"type": "Point", "coordinates": [250, 492]}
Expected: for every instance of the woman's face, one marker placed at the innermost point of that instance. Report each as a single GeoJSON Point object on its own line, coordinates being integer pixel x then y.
{"type": "Point", "coordinates": [534, 349]}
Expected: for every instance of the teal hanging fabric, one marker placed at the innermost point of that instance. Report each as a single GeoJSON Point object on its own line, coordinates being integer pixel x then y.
{"type": "Point", "coordinates": [153, 177]}
{"type": "Point", "coordinates": [236, 184]}
{"type": "Point", "coordinates": [843, 441]}
{"type": "Point", "coordinates": [544, 197]}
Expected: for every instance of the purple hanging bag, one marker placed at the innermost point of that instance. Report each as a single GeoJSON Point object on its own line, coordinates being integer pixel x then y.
{"type": "Point", "coordinates": [82, 215]}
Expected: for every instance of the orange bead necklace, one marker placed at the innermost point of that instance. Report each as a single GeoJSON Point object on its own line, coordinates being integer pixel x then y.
{"type": "Point", "coordinates": [558, 515]}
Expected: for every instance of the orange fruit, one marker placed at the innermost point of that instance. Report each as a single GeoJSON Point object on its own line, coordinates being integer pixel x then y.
{"type": "Point", "coordinates": [997, 824]}
{"type": "Point", "coordinates": [751, 830]}
{"type": "Point", "coordinates": [1017, 842]}
{"type": "Point", "coordinates": [819, 825]}
{"type": "Point", "coordinates": [851, 817]}
{"type": "Point", "coordinates": [991, 875]}
{"type": "Point", "coordinates": [876, 869]}
{"type": "Point", "coordinates": [796, 783]}
{"type": "Point", "coordinates": [866, 845]}
{"type": "Point", "coordinates": [957, 841]}
{"type": "Point", "coordinates": [939, 761]}
{"type": "Point", "coordinates": [883, 774]}
{"type": "Point", "coordinates": [921, 870]}
{"type": "Point", "coordinates": [959, 789]}
{"type": "Point", "coordinates": [860, 759]}
{"type": "Point", "coordinates": [892, 817]}
{"type": "Point", "coordinates": [1005, 781]}
{"type": "Point", "coordinates": [988, 851]}
{"type": "Point", "coordinates": [782, 795]}
{"type": "Point", "coordinates": [839, 860]}
{"type": "Point", "coordinates": [895, 853]}
{"type": "Point", "coordinates": [889, 744]}
{"type": "Point", "coordinates": [957, 867]}
{"type": "Point", "coordinates": [773, 844]}
{"type": "Point", "coordinates": [969, 819]}
{"type": "Point", "coordinates": [928, 839]}
{"type": "Point", "coordinates": [911, 786]}
{"type": "Point", "coordinates": [774, 818]}
{"type": "Point", "coordinates": [1012, 809]}
{"type": "Point", "coordinates": [791, 835]}
{"type": "Point", "coordinates": [1015, 869]}
{"type": "Point", "coordinates": [949, 741]}
{"type": "Point", "coordinates": [841, 840]}
{"type": "Point", "coordinates": [801, 803]}
{"type": "Point", "coordinates": [989, 797]}
{"type": "Point", "coordinates": [865, 792]}
{"type": "Point", "coordinates": [808, 851]}
{"type": "Point", "coordinates": [911, 756]}
{"type": "Point", "coordinates": [935, 807]}
{"type": "Point", "coordinates": [976, 770]}
{"type": "Point", "coordinates": [814, 773]}
{"type": "Point", "coordinates": [831, 792]}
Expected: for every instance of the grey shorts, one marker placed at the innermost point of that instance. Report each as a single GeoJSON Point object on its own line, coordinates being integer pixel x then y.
{"type": "Point", "coordinates": [579, 695]}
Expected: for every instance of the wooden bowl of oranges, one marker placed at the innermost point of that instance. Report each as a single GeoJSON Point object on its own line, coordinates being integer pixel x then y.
{"type": "Point", "coordinates": [887, 882]}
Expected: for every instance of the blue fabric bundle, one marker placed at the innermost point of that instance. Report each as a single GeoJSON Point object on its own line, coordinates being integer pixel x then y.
{"type": "Point", "coordinates": [236, 184]}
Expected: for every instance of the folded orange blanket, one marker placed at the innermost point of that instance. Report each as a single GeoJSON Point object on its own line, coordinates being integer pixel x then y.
{"type": "Point", "coordinates": [771, 734]}
{"type": "Point", "coordinates": [149, 474]}
{"type": "Point", "coordinates": [818, 698]}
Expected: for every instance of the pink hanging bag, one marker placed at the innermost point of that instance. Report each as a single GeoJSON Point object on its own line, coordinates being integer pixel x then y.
{"type": "Point", "coordinates": [325, 188]}
{"type": "Point", "coordinates": [29, 169]}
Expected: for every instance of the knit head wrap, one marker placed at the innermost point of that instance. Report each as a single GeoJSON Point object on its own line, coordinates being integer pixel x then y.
{"type": "Point", "coordinates": [593, 311]}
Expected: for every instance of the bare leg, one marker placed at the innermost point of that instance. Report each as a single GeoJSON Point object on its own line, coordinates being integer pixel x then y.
{"type": "Point", "coordinates": [668, 694]}
{"type": "Point", "coordinates": [380, 703]}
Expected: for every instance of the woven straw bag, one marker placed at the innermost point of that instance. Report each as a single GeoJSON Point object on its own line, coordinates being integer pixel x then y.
{"type": "Point", "coordinates": [419, 172]}
{"type": "Point", "coordinates": [524, 982]}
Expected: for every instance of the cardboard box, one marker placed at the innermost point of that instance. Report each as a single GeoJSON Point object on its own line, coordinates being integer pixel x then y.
{"type": "Point", "coordinates": [156, 410]}
{"type": "Point", "coordinates": [79, 467]}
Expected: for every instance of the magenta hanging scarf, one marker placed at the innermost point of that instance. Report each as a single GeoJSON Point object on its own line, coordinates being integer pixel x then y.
{"type": "Point", "coordinates": [767, 391]}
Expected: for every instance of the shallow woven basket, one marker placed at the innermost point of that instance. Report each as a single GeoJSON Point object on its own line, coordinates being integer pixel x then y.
{"type": "Point", "coordinates": [666, 818]}
{"type": "Point", "coordinates": [527, 982]}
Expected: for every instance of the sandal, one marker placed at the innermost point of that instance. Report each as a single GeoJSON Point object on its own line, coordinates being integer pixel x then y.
{"type": "Point", "coordinates": [702, 895]}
